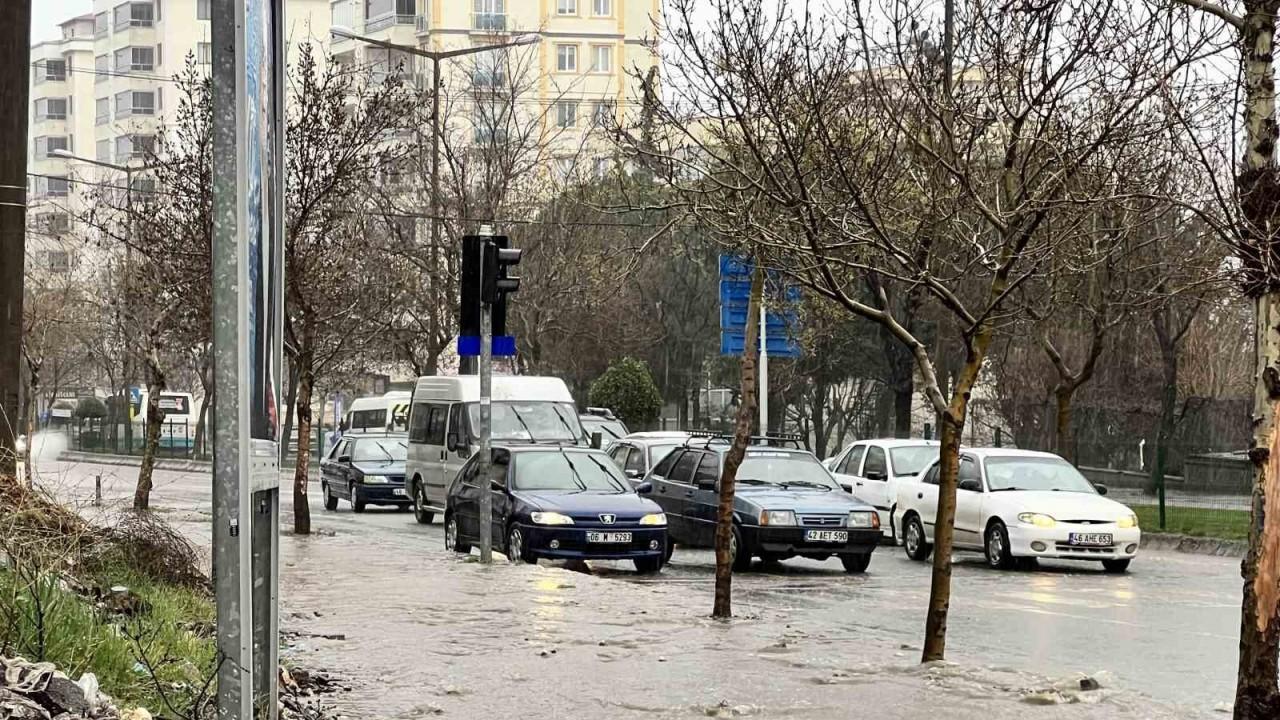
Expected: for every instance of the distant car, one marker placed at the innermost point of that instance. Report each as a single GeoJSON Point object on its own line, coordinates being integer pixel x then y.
{"type": "Point", "coordinates": [557, 502]}
{"type": "Point", "coordinates": [636, 453]}
{"type": "Point", "coordinates": [871, 470]}
{"type": "Point", "coordinates": [365, 469]}
{"type": "Point", "coordinates": [786, 504]}
{"type": "Point", "coordinates": [603, 421]}
{"type": "Point", "coordinates": [1018, 504]}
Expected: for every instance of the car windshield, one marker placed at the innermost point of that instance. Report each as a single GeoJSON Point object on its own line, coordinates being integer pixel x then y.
{"type": "Point", "coordinates": [1035, 473]}
{"type": "Point", "coordinates": [657, 452]}
{"type": "Point", "coordinates": [788, 469]}
{"type": "Point", "coordinates": [368, 419]}
{"type": "Point", "coordinates": [609, 429]}
{"type": "Point", "coordinates": [572, 470]}
{"type": "Point", "coordinates": [911, 460]}
{"type": "Point", "coordinates": [379, 450]}
{"type": "Point", "coordinates": [525, 421]}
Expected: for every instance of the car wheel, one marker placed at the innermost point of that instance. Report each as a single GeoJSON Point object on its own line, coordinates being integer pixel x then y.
{"type": "Point", "coordinates": [451, 539]}
{"type": "Point", "coordinates": [330, 500]}
{"type": "Point", "coordinates": [356, 503]}
{"type": "Point", "coordinates": [856, 564]}
{"type": "Point", "coordinates": [420, 511]}
{"type": "Point", "coordinates": [648, 566]}
{"type": "Point", "coordinates": [1116, 566]}
{"type": "Point", "coordinates": [999, 555]}
{"type": "Point", "coordinates": [913, 540]}
{"type": "Point", "coordinates": [671, 549]}
{"type": "Point", "coordinates": [739, 554]}
{"type": "Point", "coordinates": [516, 550]}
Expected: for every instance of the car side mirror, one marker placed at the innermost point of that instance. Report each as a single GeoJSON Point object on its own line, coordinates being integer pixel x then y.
{"type": "Point", "coordinates": [597, 439]}
{"type": "Point", "coordinates": [451, 442]}
{"type": "Point", "coordinates": [971, 485]}
{"type": "Point", "coordinates": [877, 475]}
{"type": "Point", "coordinates": [1102, 489]}
{"type": "Point", "coordinates": [632, 474]}
{"type": "Point", "coordinates": [344, 459]}
{"type": "Point", "coordinates": [644, 488]}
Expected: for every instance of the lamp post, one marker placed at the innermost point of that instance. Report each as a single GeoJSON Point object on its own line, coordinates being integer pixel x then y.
{"type": "Point", "coordinates": [435, 56]}
{"type": "Point", "coordinates": [128, 171]}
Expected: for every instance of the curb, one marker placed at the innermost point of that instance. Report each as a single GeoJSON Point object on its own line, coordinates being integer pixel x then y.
{"type": "Point", "coordinates": [136, 461]}
{"type": "Point", "coordinates": [1194, 545]}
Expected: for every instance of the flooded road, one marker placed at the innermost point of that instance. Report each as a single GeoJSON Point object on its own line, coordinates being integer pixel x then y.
{"type": "Point", "coordinates": [426, 632]}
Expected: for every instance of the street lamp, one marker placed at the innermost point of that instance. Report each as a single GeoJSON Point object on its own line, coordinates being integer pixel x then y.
{"type": "Point", "coordinates": [128, 171]}
{"type": "Point", "coordinates": [435, 56]}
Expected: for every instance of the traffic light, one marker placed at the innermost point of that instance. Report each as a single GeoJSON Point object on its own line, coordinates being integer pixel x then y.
{"type": "Point", "coordinates": [498, 258]}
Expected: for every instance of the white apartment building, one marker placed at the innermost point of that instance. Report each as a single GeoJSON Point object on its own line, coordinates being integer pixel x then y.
{"type": "Point", "coordinates": [102, 91]}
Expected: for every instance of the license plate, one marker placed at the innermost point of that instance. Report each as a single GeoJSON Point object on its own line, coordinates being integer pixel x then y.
{"type": "Point", "coordinates": [398, 491]}
{"type": "Point", "coordinates": [1093, 539]}
{"type": "Point", "coordinates": [827, 536]}
{"type": "Point", "coordinates": [608, 537]}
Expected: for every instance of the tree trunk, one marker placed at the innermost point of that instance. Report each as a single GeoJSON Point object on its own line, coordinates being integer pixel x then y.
{"type": "Point", "coordinates": [289, 400]}
{"type": "Point", "coordinates": [1168, 419]}
{"type": "Point", "coordinates": [301, 510]}
{"type": "Point", "coordinates": [151, 441]}
{"type": "Point", "coordinates": [723, 607]}
{"type": "Point", "coordinates": [1062, 441]}
{"type": "Point", "coordinates": [819, 419]}
{"type": "Point", "coordinates": [201, 425]}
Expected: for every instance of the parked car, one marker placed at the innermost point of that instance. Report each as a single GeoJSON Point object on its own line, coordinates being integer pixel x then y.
{"type": "Point", "coordinates": [603, 421]}
{"type": "Point", "coordinates": [871, 470]}
{"type": "Point", "coordinates": [445, 413]}
{"type": "Point", "coordinates": [1018, 504]}
{"type": "Point", "coordinates": [786, 504]}
{"type": "Point", "coordinates": [365, 469]}
{"type": "Point", "coordinates": [636, 453]}
{"type": "Point", "coordinates": [557, 502]}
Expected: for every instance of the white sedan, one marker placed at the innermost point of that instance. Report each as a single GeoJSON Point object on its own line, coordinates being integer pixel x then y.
{"type": "Point", "coordinates": [1018, 504]}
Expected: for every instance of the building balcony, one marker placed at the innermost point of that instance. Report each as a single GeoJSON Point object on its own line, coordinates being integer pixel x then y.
{"type": "Point", "coordinates": [386, 21]}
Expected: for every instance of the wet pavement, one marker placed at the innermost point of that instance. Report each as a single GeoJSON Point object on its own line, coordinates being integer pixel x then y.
{"type": "Point", "coordinates": [426, 632]}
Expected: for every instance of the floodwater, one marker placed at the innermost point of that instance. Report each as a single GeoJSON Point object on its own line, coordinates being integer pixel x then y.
{"type": "Point", "coordinates": [416, 631]}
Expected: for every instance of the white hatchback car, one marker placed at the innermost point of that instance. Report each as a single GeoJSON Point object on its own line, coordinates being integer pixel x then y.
{"type": "Point", "coordinates": [872, 469]}
{"type": "Point", "coordinates": [1019, 504]}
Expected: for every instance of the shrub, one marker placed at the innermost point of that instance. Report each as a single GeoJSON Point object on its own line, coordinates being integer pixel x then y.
{"type": "Point", "coordinates": [628, 390]}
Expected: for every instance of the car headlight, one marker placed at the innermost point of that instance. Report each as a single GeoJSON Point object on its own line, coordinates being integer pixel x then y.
{"type": "Point", "coordinates": [1128, 521]}
{"type": "Point", "coordinates": [863, 519]}
{"type": "Point", "coordinates": [777, 517]}
{"type": "Point", "coordinates": [1040, 520]}
{"type": "Point", "coordinates": [550, 518]}
{"type": "Point", "coordinates": [654, 519]}
{"type": "Point", "coordinates": [375, 480]}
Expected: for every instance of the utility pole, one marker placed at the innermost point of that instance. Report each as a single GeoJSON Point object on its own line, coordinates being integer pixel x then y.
{"type": "Point", "coordinates": [15, 57]}
{"type": "Point", "coordinates": [764, 371]}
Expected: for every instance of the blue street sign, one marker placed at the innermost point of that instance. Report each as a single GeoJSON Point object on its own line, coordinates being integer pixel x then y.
{"type": "Point", "coordinates": [733, 342]}
{"type": "Point", "coordinates": [503, 346]}
{"type": "Point", "coordinates": [781, 325]}
{"type": "Point", "coordinates": [735, 318]}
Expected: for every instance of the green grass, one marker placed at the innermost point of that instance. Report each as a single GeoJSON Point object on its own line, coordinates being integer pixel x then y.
{"type": "Point", "coordinates": [1198, 522]}
{"type": "Point", "coordinates": [171, 635]}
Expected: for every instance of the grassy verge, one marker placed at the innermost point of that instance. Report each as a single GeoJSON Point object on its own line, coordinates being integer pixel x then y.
{"type": "Point", "coordinates": [1198, 522]}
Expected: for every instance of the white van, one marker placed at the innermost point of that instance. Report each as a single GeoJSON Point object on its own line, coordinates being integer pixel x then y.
{"type": "Point", "coordinates": [379, 413]}
{"type": "Point", "coordinates": [445, 414]}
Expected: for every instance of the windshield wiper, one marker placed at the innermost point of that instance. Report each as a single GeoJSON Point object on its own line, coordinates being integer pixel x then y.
{"type": "Point", "coordinates": [753, 481]}
{"type": "Point", "coordinates": [576, 477]}
{"type": "Point", "coordinates": [806, 483]}
{"type": "Point", "coordinates": [560, 417]}
{"type": "Point", "coordinates": [390, 458]}
{"type": "Point", "coordinates": [604, 470]}
{"type": "Point", "coordinates": [1006, 489]}
{"type": "Point", "coordinates": [523, 424]}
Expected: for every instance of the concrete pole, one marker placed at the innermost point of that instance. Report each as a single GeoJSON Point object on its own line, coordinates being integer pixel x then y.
{"type": "Point", "coordinates": [486, 420]}
{"type": "Point", "coordinates": [764, 372]}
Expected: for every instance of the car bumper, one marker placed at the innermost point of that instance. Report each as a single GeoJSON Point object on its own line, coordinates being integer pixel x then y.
{"type": "Point", "coordinates": [1055, 542]}
{"type": "Point", "coordinates": [571, 543]}
{"type": "Point", "coordinates": [383, 494]}
{"type": "Point", "coordinates": [792, 541]}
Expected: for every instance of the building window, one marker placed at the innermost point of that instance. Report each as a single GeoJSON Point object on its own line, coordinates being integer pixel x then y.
{"type": "Point", "coordinates": [134, 14]}
{"type": "Point", "coordinates": [489, 15]}
{"type": "Point", "coordinates": [54, 70]}
{"type": "Point", "coordinates": [102, 111]}
{"type": "Point", "coordinates": [103, 151]}
{"type": "Point", "coordinates": [57, 186]}
{"type": "Point", "coordinates": [58, 260]}
{"type": "Point", "coordinates": [135, 147]}
{"type": "Point", "coordinates": [100, 25]}
{"type": "Point", "coordinates": [604, 113]}
{"type": "Point", "coordinates": [204, 53]}
{"type": "Point", "coordinates": [51, 109]}
{"type": "Point", "coordinates": [566, 7]}
{"type": "Point", "coordinates": [45, 146]}
{"type": "Point", "coordinates": [567, 58]}
{"type": "Point", "coordinates": [567, 113]}
{"type": "Point", "coordinates": [602, 58]}
{"type": "Point", "coordinates": [136, 58]}
{"type": "Point", "coordinates": [54, 223]}
{"type": "Point", "coordinates": [135, 102]}
{"type": "Point", "coordinates": [101, 69]}
{"type": "Point", "coordinates": [203, 11]}
{"type": "Point", "coordinates": [602, 7]}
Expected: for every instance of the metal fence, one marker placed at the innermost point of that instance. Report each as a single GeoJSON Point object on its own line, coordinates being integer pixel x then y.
{"type": "Point", "coordinates": [177, 440]}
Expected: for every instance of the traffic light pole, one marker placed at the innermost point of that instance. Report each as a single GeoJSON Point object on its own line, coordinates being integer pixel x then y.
{"type": "Point", "coordinates": [486, 419]}
{"type": "Point", "coordinates": [764, 372]}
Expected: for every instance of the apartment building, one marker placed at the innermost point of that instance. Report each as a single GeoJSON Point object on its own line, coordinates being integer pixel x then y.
{"type": "Point", "coordinates": [102, 92]}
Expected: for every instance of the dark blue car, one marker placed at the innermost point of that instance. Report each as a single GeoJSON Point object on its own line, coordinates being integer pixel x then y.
{"type": "Point", "coordinates": [558, 503]}
{"type": "Point", "coordinates": [365, 469]}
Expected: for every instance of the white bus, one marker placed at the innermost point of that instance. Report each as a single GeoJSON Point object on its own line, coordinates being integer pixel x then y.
{"type": "Point", "coordinates": [379, 413]}
{"type": "Point", "coordinates": [178, 428]}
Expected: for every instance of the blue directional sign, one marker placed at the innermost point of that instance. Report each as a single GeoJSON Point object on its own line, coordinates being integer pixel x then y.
{"type": "Point", "coordinates": [735, 298]}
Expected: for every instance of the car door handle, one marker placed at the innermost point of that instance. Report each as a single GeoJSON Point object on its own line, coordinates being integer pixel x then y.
{"type": "Point", "coordinates": [688, 493]}
{"type": "Point", "coordinates": [662, 489]}
{"type": "Point", "coordinates": [858, 484]}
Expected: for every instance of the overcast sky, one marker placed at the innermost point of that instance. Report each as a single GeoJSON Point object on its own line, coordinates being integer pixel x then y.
{"type": "Point", "coordinates": [46, 15]}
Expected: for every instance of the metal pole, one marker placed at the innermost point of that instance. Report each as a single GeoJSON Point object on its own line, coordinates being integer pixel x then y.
{"type": "Point", "coordinates": [128, 264]}
{"type": "Point", "coordinates": [764, 373]}
{"type": "Point", "coordinates": [486, 380]}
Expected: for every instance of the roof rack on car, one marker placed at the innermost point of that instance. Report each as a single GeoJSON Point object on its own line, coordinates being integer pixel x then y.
{"type": "Point", "coordinates": [709, 437]}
